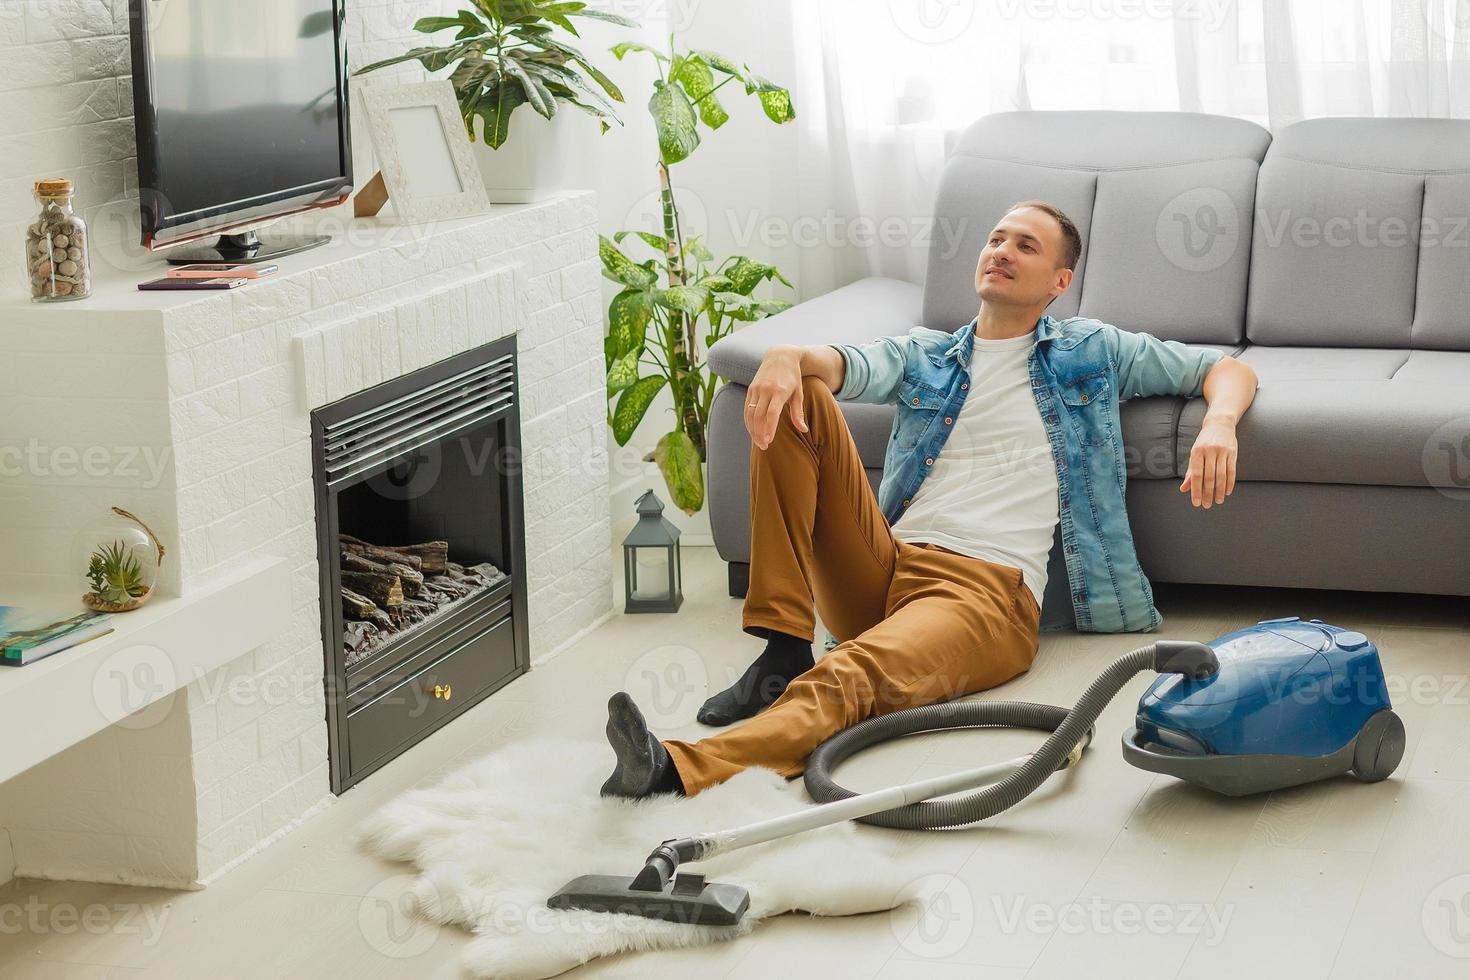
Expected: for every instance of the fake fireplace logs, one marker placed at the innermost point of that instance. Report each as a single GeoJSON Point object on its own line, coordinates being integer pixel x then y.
{"type": "Point", "coordinates": [388, 590]}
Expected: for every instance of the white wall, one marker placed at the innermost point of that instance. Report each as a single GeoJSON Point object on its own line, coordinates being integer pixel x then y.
{"type": "Point", "coordinates": [121, 803]}
{"type": "Point", "coordinates": [67, 108]}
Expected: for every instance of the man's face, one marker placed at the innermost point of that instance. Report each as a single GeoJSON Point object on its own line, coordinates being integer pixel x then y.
{"type": "Point", "coordinates": [1018, 266]}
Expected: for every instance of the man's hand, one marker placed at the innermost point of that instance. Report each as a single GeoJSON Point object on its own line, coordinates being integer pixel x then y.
{"type": "Point", "coordinates": [1211, 476]}
{"type": "Point", "coordinates": [776, 385]}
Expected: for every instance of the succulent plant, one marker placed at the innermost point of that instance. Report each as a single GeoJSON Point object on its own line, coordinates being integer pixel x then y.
{"type": "Point", "coordinates": [115, 574]}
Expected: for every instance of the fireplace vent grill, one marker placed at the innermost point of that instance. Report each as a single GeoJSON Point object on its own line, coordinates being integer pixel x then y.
{"type": "Point", "coordinates": [418, 419]}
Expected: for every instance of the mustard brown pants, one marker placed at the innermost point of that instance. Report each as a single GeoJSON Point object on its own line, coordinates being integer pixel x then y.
{"type": "Point", "coordinates": [915, 623]}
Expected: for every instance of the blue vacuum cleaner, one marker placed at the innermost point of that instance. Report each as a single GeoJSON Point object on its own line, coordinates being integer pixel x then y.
{"type": "Point", "coordinates": [1277, 704]}
{"type": "Point", "coordinates": [1292, 703]}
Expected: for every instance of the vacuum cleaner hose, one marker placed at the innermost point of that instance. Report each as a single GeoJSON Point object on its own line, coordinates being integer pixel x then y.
{"type": "Point", "coordinates": [1069, 729]}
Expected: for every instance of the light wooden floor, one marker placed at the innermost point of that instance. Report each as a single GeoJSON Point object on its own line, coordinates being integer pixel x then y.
{"type": "Point", "coordinates": [1107, 872]}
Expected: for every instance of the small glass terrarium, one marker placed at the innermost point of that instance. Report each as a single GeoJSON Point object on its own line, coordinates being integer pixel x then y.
{"type": "Point", "coordinates": [121, 558]}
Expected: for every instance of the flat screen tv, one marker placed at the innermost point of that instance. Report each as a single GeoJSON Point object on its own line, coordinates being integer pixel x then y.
{"type": "Point", "coordinates": [241, 117]}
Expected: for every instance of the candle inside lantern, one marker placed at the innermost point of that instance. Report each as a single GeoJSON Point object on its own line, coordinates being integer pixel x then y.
{"type": "Point", "coordinates": [651, 573]}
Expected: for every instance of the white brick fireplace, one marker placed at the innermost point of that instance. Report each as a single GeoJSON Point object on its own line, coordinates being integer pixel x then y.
{"type": "Point", "coordinates": [208, 397]}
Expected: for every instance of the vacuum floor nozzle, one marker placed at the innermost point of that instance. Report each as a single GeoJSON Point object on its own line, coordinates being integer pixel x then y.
{"type": "Point", "coordinates": [687, 898]}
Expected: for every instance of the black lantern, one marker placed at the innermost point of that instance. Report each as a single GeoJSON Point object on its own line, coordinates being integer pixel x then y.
{"type": "Point", "coordinates": [651, 578]}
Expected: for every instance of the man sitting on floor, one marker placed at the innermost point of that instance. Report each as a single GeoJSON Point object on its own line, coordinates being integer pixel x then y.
{"type": "Point", "coordinates": [933, 588]}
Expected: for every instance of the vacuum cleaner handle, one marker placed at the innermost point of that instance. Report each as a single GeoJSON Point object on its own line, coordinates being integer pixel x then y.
{"type": "Point", "coordinates": [1194, 660]}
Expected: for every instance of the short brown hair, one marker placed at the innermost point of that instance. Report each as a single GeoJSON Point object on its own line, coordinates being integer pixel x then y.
{"type": "Point", "coordinates": [1071, 239]}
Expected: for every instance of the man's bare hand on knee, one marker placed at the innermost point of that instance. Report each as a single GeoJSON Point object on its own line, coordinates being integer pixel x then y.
{"type": "Point", "coordinates": [777, 386]}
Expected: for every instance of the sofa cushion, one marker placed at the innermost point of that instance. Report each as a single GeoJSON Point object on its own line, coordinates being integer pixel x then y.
{"type": "Point", "coordinates": [1148, 436]}
{"type": "Point", "coordinates": [870, 425]}
{"type": "Point", "coordinates": [1351, 415]}
{"type": "Point", "coordinates": [1185, 231]}
{"type": "Point", "coordinates": [1162, 201]}
{"type": "Point", "coordinates": [1443, 292]}
{"type": "Point", "coordinates": [1360, 236]}
{"type": "Point", "coordinates": [1313, 278]}
{"type": "Point", "coordinates": [853, 314]}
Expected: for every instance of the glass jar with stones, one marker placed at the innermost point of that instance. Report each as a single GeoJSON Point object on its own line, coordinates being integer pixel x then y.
{"type": "Point", "coordinates": [56, 246]}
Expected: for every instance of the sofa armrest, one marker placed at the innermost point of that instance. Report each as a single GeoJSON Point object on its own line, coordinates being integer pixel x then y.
{"type": "Point", "coordinates": [853, 314]}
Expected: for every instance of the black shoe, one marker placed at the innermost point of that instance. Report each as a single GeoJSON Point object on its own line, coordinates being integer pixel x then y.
{"type": "Point", "coordinates": [785, 658]}
{"type": "Point", "coordinates": [644, 766]}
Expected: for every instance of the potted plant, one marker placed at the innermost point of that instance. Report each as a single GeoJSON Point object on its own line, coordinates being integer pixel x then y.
{"type": "Point", "coordinates": [509, 55]}
{"type": "Point", "coordinates": [674, 306]}
{"type": "Point", "coordinates": [123, 562]}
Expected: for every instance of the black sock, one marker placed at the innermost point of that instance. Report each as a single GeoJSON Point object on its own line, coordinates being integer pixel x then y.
{"type": "Point", "coordinates": [644, 766]}
{"type": "Point", "coordinates": [670, 782]}
{"type": "Point", "coordinates": [785, 658]}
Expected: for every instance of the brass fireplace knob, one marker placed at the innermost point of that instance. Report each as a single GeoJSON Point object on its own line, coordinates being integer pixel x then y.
{"type": "Point", "coordinates": [442, 691]}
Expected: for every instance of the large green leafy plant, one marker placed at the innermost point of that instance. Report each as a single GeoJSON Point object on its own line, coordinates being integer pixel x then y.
{"type": "Point", "coordinates": [509, 56]}
{"type": "Point", "coordinates": [675, 305]}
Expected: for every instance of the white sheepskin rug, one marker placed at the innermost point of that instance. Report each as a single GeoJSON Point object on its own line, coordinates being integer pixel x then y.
{"type": "Point", "coordinates": [495, 840]}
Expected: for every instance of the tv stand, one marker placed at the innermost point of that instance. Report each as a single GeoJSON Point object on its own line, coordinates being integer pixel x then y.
{"type": "Point", "coordinates": [246, 247]}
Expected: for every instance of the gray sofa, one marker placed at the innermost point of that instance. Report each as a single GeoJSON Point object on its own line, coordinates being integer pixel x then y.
{"type": "Point", "coordinates": [1333, 258]}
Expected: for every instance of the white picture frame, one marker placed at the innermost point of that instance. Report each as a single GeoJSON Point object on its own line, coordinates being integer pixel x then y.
{"type": "Point", "coordinates": [423, 151]}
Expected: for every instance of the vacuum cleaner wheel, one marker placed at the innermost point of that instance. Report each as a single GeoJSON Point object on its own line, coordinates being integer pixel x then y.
{"type": "Point", "coordinates": [1379, 746]}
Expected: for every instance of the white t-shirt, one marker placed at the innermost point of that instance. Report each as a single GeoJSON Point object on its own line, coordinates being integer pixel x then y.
{"type": "Point", "coordinates": [992, 491]}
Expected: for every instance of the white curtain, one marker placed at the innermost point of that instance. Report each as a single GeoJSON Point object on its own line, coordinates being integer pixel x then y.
{"type": "Point", "coordinates": [884, 85]}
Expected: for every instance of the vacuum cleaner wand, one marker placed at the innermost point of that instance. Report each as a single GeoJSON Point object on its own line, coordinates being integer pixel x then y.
{"type": "Point", "coordinates": [692, 900]}
{"type": "Point", "coordinates": [657, 892]}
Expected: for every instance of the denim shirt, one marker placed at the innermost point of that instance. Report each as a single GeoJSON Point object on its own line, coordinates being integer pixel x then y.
{"type": "Point", "coordinates": [1080, 370]}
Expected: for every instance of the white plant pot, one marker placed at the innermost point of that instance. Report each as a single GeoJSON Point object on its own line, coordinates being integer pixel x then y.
{"type": "Point", "coordinates": [532, 162]}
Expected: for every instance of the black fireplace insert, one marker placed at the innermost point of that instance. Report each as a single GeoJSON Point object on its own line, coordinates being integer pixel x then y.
{"type": "Point", "coordinates": [421, 549]}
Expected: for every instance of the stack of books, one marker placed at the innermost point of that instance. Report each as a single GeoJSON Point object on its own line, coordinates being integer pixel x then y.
{"type": "Point", "coordinates": [28, 634]}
